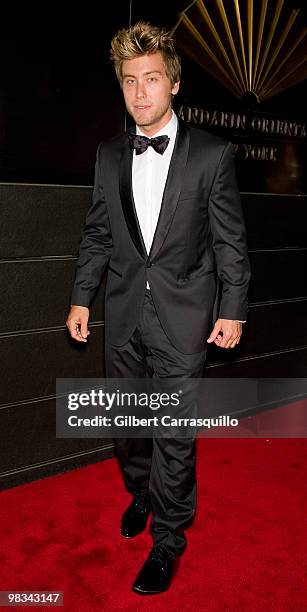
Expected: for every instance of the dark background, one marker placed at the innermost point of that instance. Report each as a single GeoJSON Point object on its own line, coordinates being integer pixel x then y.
{"type": "Point", "coordinates": [59, 96]}
{"type": "Point", "coordinates": [58, 99]}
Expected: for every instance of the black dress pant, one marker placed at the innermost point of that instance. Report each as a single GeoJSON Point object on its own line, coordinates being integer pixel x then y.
{"type": "Point", "coordinates": [165, 467]}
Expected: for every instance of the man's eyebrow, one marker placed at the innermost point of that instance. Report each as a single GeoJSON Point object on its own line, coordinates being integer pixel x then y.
{"type": "Point", "coordinates": [125, 76]}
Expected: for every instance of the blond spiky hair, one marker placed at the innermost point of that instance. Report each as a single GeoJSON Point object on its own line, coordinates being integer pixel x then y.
{"type": "Point", "coordinates": [142, 39]}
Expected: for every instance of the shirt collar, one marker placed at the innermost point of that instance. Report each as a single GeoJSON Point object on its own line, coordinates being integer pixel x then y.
{"type": "Point", "coordinates": [170, 129]}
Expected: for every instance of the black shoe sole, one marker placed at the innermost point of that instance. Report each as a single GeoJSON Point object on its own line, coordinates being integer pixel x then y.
{"type": "Point", "coordinates": [130, 537]}
{"type": "Point", "coordinates": [142, 592]}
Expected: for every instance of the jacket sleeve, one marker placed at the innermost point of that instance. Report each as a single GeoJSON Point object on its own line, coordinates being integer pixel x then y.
{"type": "Point", "coordinates": [95, 244]}
{"type": "Point", "coordinates": [229, 239]}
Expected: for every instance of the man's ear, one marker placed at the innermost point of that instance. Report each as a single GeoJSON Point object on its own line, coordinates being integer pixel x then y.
{"type": "Point", "coordinates": [175, 88]}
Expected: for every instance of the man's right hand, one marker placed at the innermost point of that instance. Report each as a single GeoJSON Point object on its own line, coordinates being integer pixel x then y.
{"type": "Point", "coordinates": [77, 323]}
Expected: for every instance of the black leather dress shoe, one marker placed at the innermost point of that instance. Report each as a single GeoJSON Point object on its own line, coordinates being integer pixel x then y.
{"type": "Point", "coordinates": [134, 519]}
{"type": "Point", "coordinates": [157, 571]}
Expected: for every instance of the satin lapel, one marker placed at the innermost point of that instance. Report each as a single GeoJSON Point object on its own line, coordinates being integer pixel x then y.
{"type": "Point", "coordinates": [127, 201]}
{"type": "Point", "coordinates": [172, 187]}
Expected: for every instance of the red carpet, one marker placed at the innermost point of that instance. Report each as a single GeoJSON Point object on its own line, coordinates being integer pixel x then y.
{"type": "Point", "coordinates": [246, 548]}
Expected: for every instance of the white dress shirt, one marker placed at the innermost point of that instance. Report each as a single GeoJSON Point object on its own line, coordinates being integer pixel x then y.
{"type": "Point", "coordinates": [149, 174]}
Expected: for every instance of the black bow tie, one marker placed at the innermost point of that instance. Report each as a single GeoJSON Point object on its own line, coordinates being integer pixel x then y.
{"type": "Point", "coordinates": [141, 143]}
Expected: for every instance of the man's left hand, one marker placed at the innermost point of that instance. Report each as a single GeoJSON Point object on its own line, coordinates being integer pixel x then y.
{"type": "Point", "coordinates": [226, 333]}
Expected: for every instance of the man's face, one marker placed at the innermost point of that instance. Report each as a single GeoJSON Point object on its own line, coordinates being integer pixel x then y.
{"type": "Point", "coordinates": [148, 92]}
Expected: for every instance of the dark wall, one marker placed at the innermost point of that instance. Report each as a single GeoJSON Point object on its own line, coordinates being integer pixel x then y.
{"type": "Point", "coordinates": [59, 96]}
{"type": "Point", "coordinates": [58, 99]}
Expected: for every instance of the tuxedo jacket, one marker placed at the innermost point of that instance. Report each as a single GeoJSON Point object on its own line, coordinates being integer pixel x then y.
{"type": "Point", "coordinates": [198, 267]}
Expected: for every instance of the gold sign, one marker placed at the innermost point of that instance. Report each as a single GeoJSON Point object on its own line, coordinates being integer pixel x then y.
{"type": "Point", "coordinates": [254, 47]}
{"type": "Point", "coordinates": [273, 126]}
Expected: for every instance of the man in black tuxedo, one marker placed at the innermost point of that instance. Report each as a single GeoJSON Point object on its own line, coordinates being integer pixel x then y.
{"type": "Point", "coordinates": [166, 220]}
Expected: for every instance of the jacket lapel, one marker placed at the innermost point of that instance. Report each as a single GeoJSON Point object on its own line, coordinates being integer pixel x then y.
{"type": "Point", "coordinates": [171, 192]}
{"type": "Point", "coordinates": [172, 188]}
{"type": "Point", "coordinates": [127, 201]}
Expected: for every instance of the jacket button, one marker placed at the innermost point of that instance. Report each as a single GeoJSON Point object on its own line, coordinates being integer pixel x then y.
{"type": "Point", "coordinates": [149, 264]}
